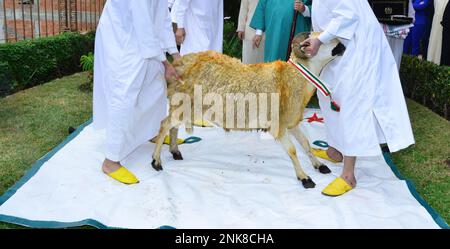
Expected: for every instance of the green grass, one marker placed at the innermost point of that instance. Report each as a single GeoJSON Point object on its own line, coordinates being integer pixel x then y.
{"type": "Point", "coordinates": [427, 163]}
{"type": "Point", "coordinates": [34, 121]}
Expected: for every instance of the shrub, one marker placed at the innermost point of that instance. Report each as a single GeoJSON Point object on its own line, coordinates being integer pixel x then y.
{"type": "Point", "coordinates": [5, 76]}
{"type": "Point", "coordinates": [232, 45]}
{"type": "Point", "coordinates": [427, 83]}
{"type": "Point", "coordinates": [87, 64]}
{"type": "Point", "coordinates": [32, 62]}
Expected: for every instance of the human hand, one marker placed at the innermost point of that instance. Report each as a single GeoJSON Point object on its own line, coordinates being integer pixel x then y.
{"type": "Point", "coordinates": [311, 46]}
{"type": "Point", "coordinates": [241, 35]}
{"type": "Point", "coordinates": [169, 72]}
{"type": "Point", "coordinates": [180, 35]}
{"type": "Point", "coordinates": [257, 41]}
{"type": "Point", "coordinates": [176, 56]}
{"type": "Point", "coordinates": [299, 6]}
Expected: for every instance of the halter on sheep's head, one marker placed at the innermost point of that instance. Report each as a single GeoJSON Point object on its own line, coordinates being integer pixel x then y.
{"type": "Point", "coordinates": [326, 52]}
{"type": "Point", "coordinates": [297, 48]}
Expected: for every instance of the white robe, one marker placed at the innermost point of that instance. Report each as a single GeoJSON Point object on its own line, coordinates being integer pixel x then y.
{"type": "Point", "coordinates": [250, 55]}
{"type": "Point", "coordinates": [364, 81]}
{"type": "Point", "coordinates": [435, 44]}
{"type": "Point", "coordinates": [170, 3]}
{"type": "Point", "coordinates": [173, 10]}
{"type": "Point", "coordinates": [396, 44]}
{"type": "Point", "coordinates": [203, 22]}
{"type": "Point", "coordinates": [129, 86]}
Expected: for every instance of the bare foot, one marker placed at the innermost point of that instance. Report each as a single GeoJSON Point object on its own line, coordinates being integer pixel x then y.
{"type": "Point", "coordinates": [334, 154]}
{"type": "Point", "coordinates": [349, 178]}
{"type": "Point", "coordinates": [110, 166]}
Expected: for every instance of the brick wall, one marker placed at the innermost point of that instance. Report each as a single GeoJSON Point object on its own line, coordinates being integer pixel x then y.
{"type": "Point", "coordinates": [27, 19]}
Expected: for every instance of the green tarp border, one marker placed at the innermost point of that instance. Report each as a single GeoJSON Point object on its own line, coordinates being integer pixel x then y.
{"type": "Point", "coordinates": [90, 222]}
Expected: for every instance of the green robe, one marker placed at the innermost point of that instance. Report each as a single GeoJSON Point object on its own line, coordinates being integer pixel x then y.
{"type": "Point", "coordinates": [275, 18]}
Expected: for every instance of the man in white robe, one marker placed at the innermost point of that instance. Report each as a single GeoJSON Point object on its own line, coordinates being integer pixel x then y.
{"type": "Point", "coordinates": [435, 47]}
{"type": "Point", "coordinates": [250, 53]}
{"type": "Point", "coordinates": [170, 3]}
{"type": "Point", "coordinates": [396, 44]}
{"type": "Point", "coordinates": [200, 25]}
{"type": "Point", "coordinates": [364, 82]}
{"type": "Point", "coordinates": [129, 77]}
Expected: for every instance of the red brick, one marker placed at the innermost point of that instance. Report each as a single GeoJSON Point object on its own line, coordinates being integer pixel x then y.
{"type": "Point", "coordinates": [89, 10]}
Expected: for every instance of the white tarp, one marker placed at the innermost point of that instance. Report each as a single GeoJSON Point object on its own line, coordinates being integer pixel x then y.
{"type": "Point", "coordinates": [228, 180]}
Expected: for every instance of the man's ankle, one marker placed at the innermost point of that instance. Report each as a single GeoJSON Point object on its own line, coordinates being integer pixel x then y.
{"type": "Point", "coordinates": [335, 154]}
{"type": "Point", "coordinates": [109, 166]}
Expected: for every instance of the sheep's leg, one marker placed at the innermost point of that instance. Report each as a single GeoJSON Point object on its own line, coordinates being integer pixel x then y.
{"type": "Point", "coordinates": [165, 127]}
{"type": "Point", "coordinates": [303, 141]}
{"type": "Point", "coordinates": [174, 144]}
{"type": "Point", "coordinates": [290, 149]}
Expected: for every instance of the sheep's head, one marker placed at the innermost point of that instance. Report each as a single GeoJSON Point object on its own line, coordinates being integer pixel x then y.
{"type": "Point", "coordinates": [326, 53]}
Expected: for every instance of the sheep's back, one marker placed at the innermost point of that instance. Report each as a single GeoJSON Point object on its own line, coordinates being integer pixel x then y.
{"type": "Point", "coordinates": [221, 74]}
{"type": "Point", "coordinates": [218, 73]}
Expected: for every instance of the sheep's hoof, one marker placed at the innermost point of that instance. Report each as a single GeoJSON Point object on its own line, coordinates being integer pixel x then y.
{"type": "Point", "coordinates": [324, 169]}
{"type": "Point", "coordinates": [308, 183]}
{"type": "Point", "coordinates": [156, 166]}
{"type": "Point", "coordinates": [177, 155]}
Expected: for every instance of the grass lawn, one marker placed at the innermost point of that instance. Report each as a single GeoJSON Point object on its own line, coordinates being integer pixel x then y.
{"type": "Point", "coordinates": [427, 163]}
{"type": "Point", "coordinates": [36, 120]}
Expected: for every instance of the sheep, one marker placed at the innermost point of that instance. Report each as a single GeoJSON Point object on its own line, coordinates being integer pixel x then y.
{"type": "Point", "coordinates": [221, 74]}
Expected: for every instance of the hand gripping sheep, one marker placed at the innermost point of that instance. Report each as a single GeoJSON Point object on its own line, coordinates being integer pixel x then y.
{"type": "Point", "coordinates": [219, 75]}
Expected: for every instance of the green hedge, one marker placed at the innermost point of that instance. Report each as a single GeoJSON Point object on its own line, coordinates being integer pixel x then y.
{"type": "Point", "coordinates": [232, 45]}
{"type": "Point", "coordinates": [427, 83]}
{"type": "Point", "coordinates": [28, 63]}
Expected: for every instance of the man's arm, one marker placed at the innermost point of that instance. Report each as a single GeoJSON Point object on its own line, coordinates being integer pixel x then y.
{"type": "Point", "coordinates": [302, 8]}
{"type": "Point", "coordinates": [344, 23]}
{"type": "Point", "coordinates": [258, 21]}
{"type": "Point", "coordinates": [180, 14]}
{"type": "Point", "coordinates": [168, 38]}
{"type": "Point", "coordinates": [170, 3]}
{"type": "Point", "coordinates": [308, 5]}
{"type": "Point", "coordinates": [149, 44]}
{"type": "Point", "coordinates": [343, 26]}
{"type": "Point", "coordinates": [243, 15]}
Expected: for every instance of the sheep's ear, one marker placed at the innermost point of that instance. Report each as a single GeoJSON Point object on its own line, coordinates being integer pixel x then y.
{"type": "Point", "coordinates": [338, 50]}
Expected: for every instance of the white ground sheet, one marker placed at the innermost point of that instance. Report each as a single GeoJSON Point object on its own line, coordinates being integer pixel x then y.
{"type": "Point", "coordinates": [227, 180]}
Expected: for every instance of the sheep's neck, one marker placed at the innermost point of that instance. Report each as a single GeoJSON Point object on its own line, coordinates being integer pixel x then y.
{"type": "Point", "coordinates": [315, 69]}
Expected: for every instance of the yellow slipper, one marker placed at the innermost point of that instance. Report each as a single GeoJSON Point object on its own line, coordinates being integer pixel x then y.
{"type": "Point", "coordinates": [167, 140]}
{"type": "Point", "coordinates": [124, 176]}
{"type": "Point", "coordinates": [202, 123]}
{"type": "Point", "coordinates": [189, 140]}
{"type": "Point", "coordinates": [322, 154]}
{"type": "Point", "coordinates": [337, 187]}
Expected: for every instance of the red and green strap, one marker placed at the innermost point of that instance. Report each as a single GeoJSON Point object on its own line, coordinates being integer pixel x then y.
{"type": "Point", "coordinates": [316, 82]}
